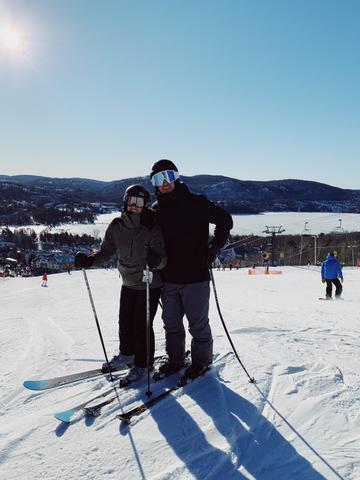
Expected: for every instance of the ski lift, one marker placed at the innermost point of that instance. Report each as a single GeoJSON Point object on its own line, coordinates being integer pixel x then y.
{"type": "Point", "coordinates": [306, 230]}
{"type": "Point", "coordinates": [339, 228]}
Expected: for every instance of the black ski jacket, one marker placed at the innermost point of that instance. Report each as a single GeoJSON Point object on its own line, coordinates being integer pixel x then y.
{"type": "Point", "coordinates": [184, 219]}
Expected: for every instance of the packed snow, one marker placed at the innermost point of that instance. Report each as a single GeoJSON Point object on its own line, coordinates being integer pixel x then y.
{"type": "Point", "coordinates": [299, 420]}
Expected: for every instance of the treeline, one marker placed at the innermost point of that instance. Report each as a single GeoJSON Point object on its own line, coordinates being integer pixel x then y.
{"type": "Point", "coordinates": [27, 239]}
{"type": "Point", "coordinates": [69, 239]}
{"type": "Point", "coordinates": [24, 239]}
{"type": "Point", "coordinates": [53, 216]}
{"type": "Point", "coordinates": [18, 213]}
{"type": "Point", "coordinates": [240, 207]}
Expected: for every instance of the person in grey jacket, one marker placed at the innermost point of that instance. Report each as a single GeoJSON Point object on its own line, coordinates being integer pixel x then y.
{"type": "Point", "coordinates": [137, 240]}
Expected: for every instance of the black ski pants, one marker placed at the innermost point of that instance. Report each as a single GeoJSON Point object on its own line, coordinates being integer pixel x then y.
{"type": "Point", "coordinates": [338, 286]}
{"type": "Point", "coordinates": [132, 323]}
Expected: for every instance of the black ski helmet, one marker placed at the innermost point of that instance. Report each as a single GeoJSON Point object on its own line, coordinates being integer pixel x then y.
{"type": "Point", "coordinates": [136, 191]}
{"type": "Point", "coordinates": [162, 165]}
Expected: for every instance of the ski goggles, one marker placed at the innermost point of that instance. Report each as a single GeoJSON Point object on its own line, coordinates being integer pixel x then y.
{"type": "Point", "coordinates": [136, 201]}
{"type": "Point", "coordinates": [169, 175]}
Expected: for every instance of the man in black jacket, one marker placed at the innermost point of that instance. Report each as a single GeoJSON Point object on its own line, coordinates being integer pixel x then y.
{"type": "Point", "coordinates": [184, 219]}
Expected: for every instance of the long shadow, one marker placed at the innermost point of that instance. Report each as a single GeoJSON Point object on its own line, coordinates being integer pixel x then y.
{"type": "Point", "coordinates": [254, 443]}
{"type": "Point", "coordinates": [185, 437]}
{"type": "Point", "coordinates": [259, 448]}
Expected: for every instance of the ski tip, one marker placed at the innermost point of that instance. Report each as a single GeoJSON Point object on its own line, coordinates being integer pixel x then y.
{"type": "Point", "coordinates": [34, 385]}
{"type": "Point", "coordinates": [64, 416]}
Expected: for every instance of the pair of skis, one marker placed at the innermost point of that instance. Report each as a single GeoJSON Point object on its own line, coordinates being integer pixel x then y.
{"type": "Point", "coordinates": [125, 417]}
{"type": "Point", "coordinates": [95, 410]}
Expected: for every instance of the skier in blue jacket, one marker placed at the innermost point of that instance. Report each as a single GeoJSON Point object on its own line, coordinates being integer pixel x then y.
{"type": "Point", "coordinates": [331, 273]}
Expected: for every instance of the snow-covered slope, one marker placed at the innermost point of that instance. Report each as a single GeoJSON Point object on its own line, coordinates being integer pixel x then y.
{"type": "Point", "coordinates": [300, 420]}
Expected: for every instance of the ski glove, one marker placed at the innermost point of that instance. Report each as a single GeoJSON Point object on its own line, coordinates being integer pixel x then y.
{"type": "Point", "coordinates": [212, 253]}
{"type": "Point", "coordinates": [83, 261]}
{"type": "Point", "coordinates": [153, 259]}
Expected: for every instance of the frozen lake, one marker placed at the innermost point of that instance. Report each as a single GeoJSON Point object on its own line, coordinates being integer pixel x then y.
{"type": "Point", "coordinates": [293, 223]}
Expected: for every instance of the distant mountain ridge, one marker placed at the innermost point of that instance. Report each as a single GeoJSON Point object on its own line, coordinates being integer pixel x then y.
{"type": "Point", "coordinates": [239, 196]}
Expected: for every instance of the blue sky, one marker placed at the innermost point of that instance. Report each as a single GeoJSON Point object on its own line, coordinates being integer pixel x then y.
{"type": "Point", "coordinates": [256, 90]}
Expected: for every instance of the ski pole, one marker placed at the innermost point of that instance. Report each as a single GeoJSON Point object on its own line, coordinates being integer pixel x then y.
{"type": "Point", "coordinates": [148, 326]}
{"type": "Point", "coordinates": [251, 379]}
{"type": "Point", "coordinates": [99, 331]}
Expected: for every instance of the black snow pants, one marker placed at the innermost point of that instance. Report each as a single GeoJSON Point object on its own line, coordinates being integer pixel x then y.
{"type": "Point", "coordinates": [338, 286]}
{"type": "Point", "coordinates": [132, 323]}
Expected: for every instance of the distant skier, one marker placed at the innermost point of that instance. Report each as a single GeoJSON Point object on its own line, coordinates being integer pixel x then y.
{"type": "Point", "coordinates": [266, 261]}
{"type": "Point", "coordinates": [137, 240]}
{"type": "Point", "coordinates": [44, 280]}
{"type": "Point", "coordinates": [331, 273]}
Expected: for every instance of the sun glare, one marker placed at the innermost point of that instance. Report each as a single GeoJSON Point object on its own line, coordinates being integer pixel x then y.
{"type": "Point", "coordinates": [11, 40]}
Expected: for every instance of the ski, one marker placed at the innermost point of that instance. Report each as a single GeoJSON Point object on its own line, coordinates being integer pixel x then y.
{"type": "Point", "coordinates": [329, 299]}
{"type": "Point", "coordinates": [74, 377]}
{"type": "Point", "coordinates": [66, 415]}
{"type": "Point", "coordinates": [65, 379]}
{"type": "Point", "coordinates": [126, 417]}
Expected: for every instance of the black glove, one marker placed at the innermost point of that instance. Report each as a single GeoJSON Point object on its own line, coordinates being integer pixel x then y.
{"type": "Point", "coordinates": [212, 252]}
{"type": "Point", "coordinates": [83, 261]}
{"type": "Point", "coordinates": [153, 259]}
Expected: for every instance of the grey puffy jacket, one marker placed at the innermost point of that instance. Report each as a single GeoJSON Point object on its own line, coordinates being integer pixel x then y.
{"type": "Point", "coordinates": [130, 237]}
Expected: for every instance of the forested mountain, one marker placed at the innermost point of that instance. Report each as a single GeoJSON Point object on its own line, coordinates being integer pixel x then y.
{"type": "Point", "coordinates": [238, 196]}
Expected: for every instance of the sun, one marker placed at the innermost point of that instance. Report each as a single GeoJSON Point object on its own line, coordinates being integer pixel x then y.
{"type": "Point", "coordinates": [11, 39]}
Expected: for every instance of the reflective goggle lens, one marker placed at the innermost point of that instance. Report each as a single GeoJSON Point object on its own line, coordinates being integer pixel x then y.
{"type": "Point", "coordinates": [137, 201]}
{"type": "Point", "coordinates": [169, 175]}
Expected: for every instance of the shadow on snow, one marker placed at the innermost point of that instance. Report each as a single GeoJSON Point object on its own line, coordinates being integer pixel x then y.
{"type": "Point", "coordinates": [252, 441]}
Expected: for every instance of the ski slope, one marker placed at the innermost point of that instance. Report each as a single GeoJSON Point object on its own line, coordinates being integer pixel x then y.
{"type": "Point", "coordinates": [300, 420]}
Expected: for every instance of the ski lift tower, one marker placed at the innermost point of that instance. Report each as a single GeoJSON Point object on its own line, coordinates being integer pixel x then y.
{"type": "Point", "coordinates": [273, 231]}
{"type": "Point", "coordinates": [307, 233]}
